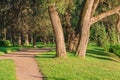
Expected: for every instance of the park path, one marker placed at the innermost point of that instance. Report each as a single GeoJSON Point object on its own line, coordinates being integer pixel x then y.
{"type": "Point", "coordinates": [26, 66]}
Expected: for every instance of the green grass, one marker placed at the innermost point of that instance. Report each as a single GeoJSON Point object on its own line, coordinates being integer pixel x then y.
{"type": "Point", "coordinates": [98, 65]}
{"type": "Point", "coordinates": [7, 70]}
{"type": "Point", "coordinates": [41, 45]}
{"type": "Point", "coordinates": [5, 50]}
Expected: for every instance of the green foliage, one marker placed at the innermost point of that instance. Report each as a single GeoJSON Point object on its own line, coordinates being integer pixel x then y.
{"type": "Point", "coordinates": [113, 35]}
{"type": "Point", "coordinates": [98, 34]}
{"type": "Point", "coordinates": [5, 43]}
{"type": "Point", "coordinates": [5, 50]}
{"type": "Point", "coordinates": [115, 49]}
{"type": "Point", "coordinates": [7, 70]}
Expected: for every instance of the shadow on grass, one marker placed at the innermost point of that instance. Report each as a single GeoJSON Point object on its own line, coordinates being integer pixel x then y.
{"type": "Point", "coordinates": [98, 52]}
{"type": "Point", "coordinates": [46, 56]}
{"type": "Point", "coordinates": [100, 55]}
{"type": "Point", "coordinates": [52, 78]}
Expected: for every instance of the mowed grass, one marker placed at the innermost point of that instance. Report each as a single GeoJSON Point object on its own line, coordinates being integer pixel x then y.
{"type": "Point", "coordinates": [7, 70]}
{"type": "Point", "coordinates": [98, 65]}
{"type": "Point", "coordinates": [5, 50]}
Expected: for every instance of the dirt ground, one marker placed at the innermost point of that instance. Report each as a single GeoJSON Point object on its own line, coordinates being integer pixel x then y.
{"type": "Point", "coordinates": [26, 66]}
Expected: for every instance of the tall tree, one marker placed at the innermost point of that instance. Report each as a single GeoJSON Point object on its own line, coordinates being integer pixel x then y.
{"type": "Point", "coordinates": [55, 20]}
{"type": "Point", "coordinates": [86, 22]}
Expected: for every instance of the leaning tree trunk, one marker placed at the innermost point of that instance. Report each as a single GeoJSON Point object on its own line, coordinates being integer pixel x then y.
{"type": "Point", "coordinates": [55, 20]}
{"type": "Point", "coordinates": [84, 29]}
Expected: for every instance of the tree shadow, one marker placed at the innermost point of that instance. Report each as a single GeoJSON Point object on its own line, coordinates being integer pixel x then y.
{"type": "Point", "coordinates": [52, 78]}
{"type": "Point", "coordinates": [101, 55]}
{"type": "Point", "coordinates": [46, 56]}
{"type": "Point", "coordinates": [98, 52]}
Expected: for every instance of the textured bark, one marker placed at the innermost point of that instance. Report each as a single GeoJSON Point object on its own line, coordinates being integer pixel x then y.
{"type": "Point", "coordinates": [105, 14]}
{"type": "Point", "coordinates": [118, 27]}
{"type": "Point", "coordinates": [96, 2]}
{"type": "Point", "coordinates": [68, 25]}
{"type": "Point", "coordinates": [58, 31]}
{"type": "Point", "coordinates": [84, 28]}
{"type": "Point", "coordinates": [73, 42]}
{"type": "Point", "coordinates": [26, 39]}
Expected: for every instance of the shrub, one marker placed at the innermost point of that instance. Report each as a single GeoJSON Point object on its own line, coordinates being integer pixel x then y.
{"type": "Point", "coordinates": [5, 43]}
{"type": "Point", "coordinates": [115, 49]}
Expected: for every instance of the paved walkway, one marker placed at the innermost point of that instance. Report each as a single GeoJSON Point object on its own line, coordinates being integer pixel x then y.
{"type": "Point", "coordinates": [26, 66]}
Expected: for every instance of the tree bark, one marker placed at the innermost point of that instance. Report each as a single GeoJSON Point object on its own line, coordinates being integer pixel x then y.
{"type": "Point", "coordinates": [26, 39]}
{"type": "Point", "coordinates": [59, 38]}
{"type": "Point", "coordinates": [118, 27]}
{"type": "Point", "coordinates": [84, 28]}
{"type": "Point", "coordinates": [96, 2]}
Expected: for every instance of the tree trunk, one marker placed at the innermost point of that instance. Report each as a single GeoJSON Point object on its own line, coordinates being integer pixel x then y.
{"type": "Point", "coordinates": [84, 29]}
{"type": "Point", "coordinates": [118, 27]}
{"type": "Point", "coordinates": [26, 39]}
{"type": "Point", "coordinates": [34, 40]}
{"type": "Point", "coordinates": [19, 39]}
{"type": "Point", "coordinates": [68, 26]}
{"type": "Point", "coordinates": [55, 20]}
{"type": "Point", "coordinates": [13, 39]}
{"type": "Point", "coordinates": [4, 34]}
{"type": "Point", "coordinates": [22, 40]}
{"type": "Point", "coordinates": [72, 46]}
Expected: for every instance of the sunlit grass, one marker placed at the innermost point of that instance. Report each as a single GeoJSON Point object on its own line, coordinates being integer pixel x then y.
{"type": "Point", "coordinates": [98, 65]}
{"type": "Point", "coordinates": [7, 70]}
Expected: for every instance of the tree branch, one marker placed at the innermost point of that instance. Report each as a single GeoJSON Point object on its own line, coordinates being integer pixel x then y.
{"type": "Point", "coordinates": [105, 14]}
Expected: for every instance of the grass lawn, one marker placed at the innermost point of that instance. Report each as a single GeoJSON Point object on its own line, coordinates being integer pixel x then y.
{"type": "Point", "coordinates": [98, 65]}
{"type": "Point", "coordinates": [7, 70]}
{"type": "Point", "coordinates": [5, 50]}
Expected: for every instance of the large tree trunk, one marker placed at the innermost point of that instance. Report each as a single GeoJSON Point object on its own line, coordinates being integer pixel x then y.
{"type": "Point", "coordinates": [84, 28]}
{"type": "Point", "coordinates": [55, 20]}
{"type": "Point", "coordinates": [26, 39]}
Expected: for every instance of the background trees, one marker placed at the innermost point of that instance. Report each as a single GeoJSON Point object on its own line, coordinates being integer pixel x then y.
{"type": "Point", "coordinates": [25, 21]}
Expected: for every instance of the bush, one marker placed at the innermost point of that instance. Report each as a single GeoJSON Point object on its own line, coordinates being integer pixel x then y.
{"type": "Point", "coordinates": [115, 49]}
{"type": "Point", "coordinates": [99, 34]}
{"type": "Point", "coordinates": [5, 43]}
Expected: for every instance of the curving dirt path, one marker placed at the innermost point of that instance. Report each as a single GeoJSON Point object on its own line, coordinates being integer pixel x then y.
{"type": "Point", "coordinates": [26, 66]}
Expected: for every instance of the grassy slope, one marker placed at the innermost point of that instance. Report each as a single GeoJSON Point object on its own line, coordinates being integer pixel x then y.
{"type": "Point", "coordinates": [7, 70]}
{"type": "Point", "coordinates": [98, 65]}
